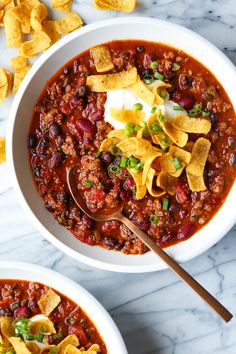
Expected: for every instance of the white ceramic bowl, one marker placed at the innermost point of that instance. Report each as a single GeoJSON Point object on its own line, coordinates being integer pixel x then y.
{"type": "Point", "coordinates": [95, 311]}
{"type": "Point", "coordinates": [20, 117]}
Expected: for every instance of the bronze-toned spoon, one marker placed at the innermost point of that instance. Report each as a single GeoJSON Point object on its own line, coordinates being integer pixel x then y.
{"type": "Point", "coordinates": [175, 267]}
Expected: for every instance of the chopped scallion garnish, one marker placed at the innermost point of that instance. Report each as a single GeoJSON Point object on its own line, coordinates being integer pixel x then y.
{"type": "Point", "coordinates": [154, 108]}
{"type": "Point", "coordinates": [114, 149]}
{"type": "Point", "coordinates": [175, 67]}
{"type": "Point", "coordinates": [137, 107]}
{"type": "Point", "coordinates": [123, 162]}
{"type": "Point", "coordinates": [88, 183]}
{"type": "Point", "coordinates": [165, 204]}
{"type": "Point", "coordinates": [197, 109]}
{"type": "Point", "coordinates": [158, 76]}
{"type": "Point", "coordinates": [136, 128]}
{"type": "Point", "coordinates": [129, 129]}
{"type": "Point", "coordinates": [161, 118]}
{"type": "Point", "coordinates": [143, 124]}
{"type": "Point", "coordinates": [154, 219]}
{"type": "Point", "coordinates": [205, 113]}
{"type": "Point", "coordinates": [113, 170]}
{"type": "Point", "coordinates": [98, 153]}
{"type": "Point", "coordinates": [177, 163]}
{"type": "Point", "coordinates": [153, 65]}
{"type": "Point", "coordinates": [163, 93]}
{"type": "Point", "coordinates": [156, 127]}
{"type": "Point", "coordinates": [39, 337]}
{"type": "Point", "coordinates": [178, 108]}
{"type": "Point", "coordinates": [53, 350]}
{"type": "Point", "coordinates": [132, 162]}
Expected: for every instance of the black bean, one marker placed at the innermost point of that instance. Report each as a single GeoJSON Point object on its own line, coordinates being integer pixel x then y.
{"type": "Point", "coordinates": [213, 118]}
{"type": "Point", "coordinates": [56, 159]}
{"type": "Point", "coordinates": [32, 141]}
{"type": "Point", "coordinates": [106, 158]}
{"type": "Point", "coordinates": [66, 70]}
{"type": "Point", "coordinates": [54, 130]}
{"type": "Point", "coordinates": [110, 242]}
{"type": "Point", "coordinates": [5, 313]}
{"type": "Point", "coordinates": [37, 171]}
{"type": "Point", "coordinates": [140, 49]}
{"type": "Point", "coordinates": [232, 141]}
{"type": "Point", "coordinates": [119, 246]}
{"type": "Point", "coordinates": [82, 91]}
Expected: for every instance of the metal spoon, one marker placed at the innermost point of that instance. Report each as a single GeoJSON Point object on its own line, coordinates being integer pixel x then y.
{"type": "Point", "coordinates": [116, 214]}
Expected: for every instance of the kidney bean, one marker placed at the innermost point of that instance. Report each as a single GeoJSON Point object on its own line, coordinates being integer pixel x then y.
{"type": "Point", "coordinates": [119, 246]}
{"type": "Point", "coordinates": [82, 91]}
{"type": "Point", "coordinates": [56, 159]}
{"type": "Point", "coordinates": [32, 305]}
{"type": "Point", "coordinates": [185, 81]}
{"type": "Point", "coordinates": [174, 208]}
{"type": "Point", "coordinates": [74, 102]}
{"type": "Point", "coordinates": [124, 196]}
{"type": "Point", "coordinates": [106, 158]}
{"type": "Point", "coordinates": [22, 311]}
{"type": "Point", "coordinates": [54, 130]}
{"type": "Point", "coordinates": [187, 102]}
{"type": "Point", "coordinates": [148, 58]}
{"type": "Point", "coordinates": [75, 131]}
{"type": "Point", "coordinates": [85, 125]}
{"type": "Point", "coordinates": [88, 109]}
{"type": "Point", "coordinates": [186, 231]}
{"type": "Point", "coordinates": [42, 148]}
{"type": "Point", "coordinates": [96, 116]}
{"type": "Point", "coordinates": [32, 141]}
{"type": "Point", "coordinates": [129, 183]}
{"type": "Point", "coordinates": [232, 159]}
{"type": "Point", "coordinates": [87, 140]}
{"type": "Point", "coordinates": [181, 195]}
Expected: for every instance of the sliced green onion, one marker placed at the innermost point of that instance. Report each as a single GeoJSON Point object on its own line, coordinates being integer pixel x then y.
{"type": "Point", "coordinates": [154, 219]}
{"type": "Point", "coordinates": [137, 107]}
{"type": "Point", "coordinates": [88, 184]}
{"type": "Point", "coordinates": [162, 118]}
{"type": "Point", "coordinates": [146, 133]}
{"type": "Point", "coordinates": [114, 149]}
{"type": "Point", "coordinates": [206, 113]}
{"type": "Point", "coordinates": [158, 76]}
{"type": "Point", "coordinates": [177, 163]}
{"type": "Point", "coordinates": [178, 108]}
{"type": "Point", "coordinates": [165, 141]}
{"type": "Point", "coordinates": [153, 110]}
{"type": "Point", "coordinates": [153, 65]}
{"type": "Point", "coordinates": [123, 162]}
{"type": "Point", "coordinates": [113, 170]}
{"type": "Point", "coordinates": [165, 204]}
{"type": "Point", "coordinates": [147, 77]}
{"type": "Point", "coordinates": [197, 109]}
{"type": "Point", "coordinates": [143, 124]}
{"type": "Point", "coordinates": [136, 128]}
{"type": "Point", "coordinates": [129, 129]}
{"type": "Point", "coordinates": [156, 127]}
{"type": "Point", "coordinates": [132, 162]}
{"type": "Point", "coordinates": [163, 93]}
{"type": "Point", "coordinates": [175, 67]}
{"type": "Point", "coordinates": [53, 350]}
{"type": "Point", "coordinates": [98, 153]}
{"type": "Point", "coordinates": [138, 167]}
{"type": "Point", "coordinates": [57, 335]}
{"type": "Point", "coordinates": [39, 337]}
{"type": "Point", "coordinates": [30, 336]}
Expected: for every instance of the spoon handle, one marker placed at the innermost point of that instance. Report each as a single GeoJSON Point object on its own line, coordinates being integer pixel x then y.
{"type": "Point", "coordinates": [182, 274]}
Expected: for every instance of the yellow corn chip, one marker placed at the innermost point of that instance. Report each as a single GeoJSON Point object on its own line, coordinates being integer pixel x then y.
{"type": "Point", "coordinates": [33, 348]}
{"type": "Point", "coordinates": [167, 183]}
{"type": "Point", "coordinates": [177, 136]}
{"type": "Point", "coordinates": [152, 189]}
{"type": "Point", "coordinates": [183, 155]}
{"type": "Point", "coordinates": [37, 45]}
{"type": "Point", "coordinates": [49, 27]}
{"type": "Point", "coordinates": [3, 3]}
{"type": "Point", "coordinates": [68, 23]}
{"type": "Point", "coordinates": [118, 5]}
{"type": "Point", "coordinates": [147, 166]}
{"type": "Point", "coordinates": [12, 30]}
{"type": "Point", "coordinates": [199, 157]}
{"type": "Point", "coordinates": [22, 14]}
{"type": "Point", "coordinates": [28, 3]}
{"type": "Point", "coordinates": [3, 159]}
{"type": "Point", "coordinates": [144, 149]}
{"type": "Point", "coordinates": [69, 340]}
{"type": "Point", "coordinates": [196, 183]}
{"type": "Point", "coordinates": [128, 147]}
{"type": "Point", "coordinates": [156, 91]}
{"type": "Point", "coordinates": [38, 14]}
{"type": "Point", "coordinates": [106, 144]}
{"type": "Point", "coordinates": [192, 125]}
{"type": "Point", "coordinates": [49, 302]}
{"type": "Point", "coordinates": [19, 346]}
{"type": "Point", "coordinates": [18, 78]}
{"type": "Point", "coordinates": [19, 63]}
{"type": "Point", "coordinates": [3, 77]}
{"type": "Point", "coordinates": [9, 82]}
{"type": "Point", "coordinates": [127, 115]}
{"type": "Point", "coordinates": [94, 347]}
{"type": "Point", "coordinates": [5, 84]}
{"type": "Point", "coordinates": [70, 349]}
{"type": "Point", "coordinates": [57, 3]}
{"type": "Point", "coordinates": [45, 326]}
{"type": "Point", "coordinates": [117, 133]}
{"type": "Point", "coordinates": [1, 14]}
{"type": "Point", "coordinates": [5, 322]}
{"type": "Point", "coordinates": [48, 349]}
{"type": "Point", "coordinates": [102, 58]}
{"type": "Point", "coordinates": [65, 8]}
{"type": "Point", "coordinates": [140, 188]}
{"type": "Point", "coordinates": [108, 82]}
{"type": "Point", "coordinates": [141, 91]}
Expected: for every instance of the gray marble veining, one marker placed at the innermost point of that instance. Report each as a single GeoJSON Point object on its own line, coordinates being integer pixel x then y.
{"type": "Point", "coordinates": [155, 312]}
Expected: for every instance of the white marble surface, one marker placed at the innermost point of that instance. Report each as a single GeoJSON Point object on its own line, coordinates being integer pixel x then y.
{"type": "Point", "coordinates": [155, 312]}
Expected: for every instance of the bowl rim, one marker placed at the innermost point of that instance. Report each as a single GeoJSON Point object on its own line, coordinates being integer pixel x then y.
{"type": "Point", "coordinates": [56, 277]}
{"type": "Point", "coordinates": [13, 175]}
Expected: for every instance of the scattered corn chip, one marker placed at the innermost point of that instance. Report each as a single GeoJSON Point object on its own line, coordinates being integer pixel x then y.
{"type": "Point", "coordinates": [49, 302]}
{"type": "Point", "coordinates": [68, 23]}
{"type": "Point", "coordinates": [102, 58]}
{"type": "Point", "coordinates": [37, 45]}
{"type": "Point", "coordinates": [5, 322]}
{"type": "Point", "coordinates": [3, 159]}
{"type": "Point", "coordinates": [38, 14]}
{"type": "Point", "coordinates": [19, 346]}
{"type": "Point", "coordinates": [12, 29]}
{"type": "Point", "coordinates": [69, 340]}
{"type": "Point", "coordinates": [49, 27]}
{"type": "Point", "coordinates": [140, 188]}
{"type": "Point", "coordinates": [141, 91]}
{"type": "Point", "coordinates": [152, 189]}
{"type": "Point", "coordinates": [65, 8]}
{"type": "Point", "coordinates": [3, 3]}
{"type": "Point", "coordinates": [18, 78]}
{"type": "Point", "coordinates": [127, 115]}
{"type": "Point", "coordinates": [167, 183]}
{"type": "Point", "coordinates": [108, 82]}
{"type": "Point", "coordinates": [118, 5]}
{"type": "Point", "coordinates": [22, 14]}
{"type": "Point", "coordinates": [196, 183]}
{"type": "Point", "coordinates": [33, 348]}
{"type": "Point", "coordinates": [198, 160]}
{"type": "Point", "coordinates": [18, 63]}
{"type": "Point", "coordinates": [177, 136]}
{"type": "Point", "coordinates": [45, 326]}
{"type": "Point", "coordinates": [192, 125]}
